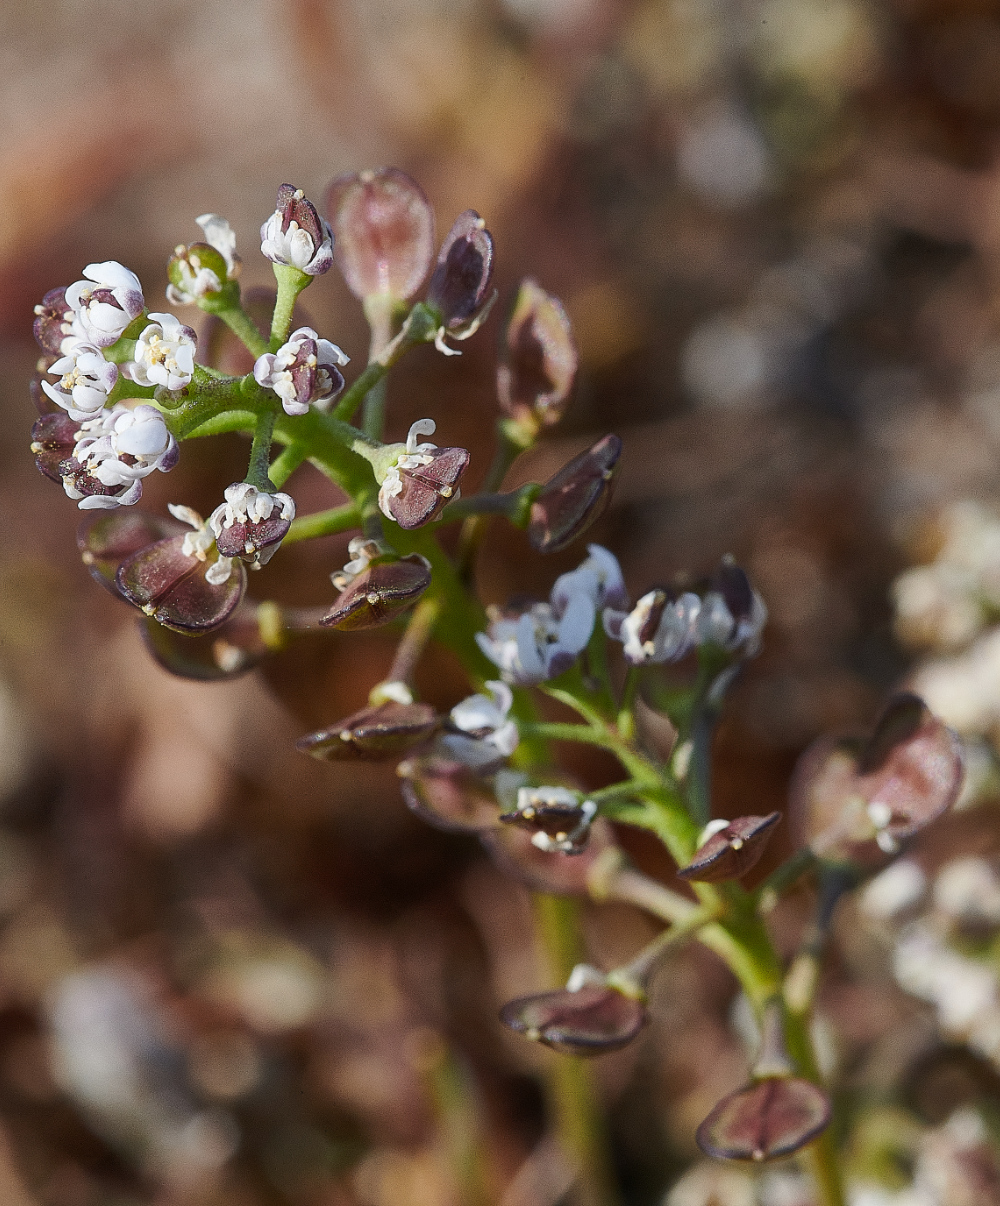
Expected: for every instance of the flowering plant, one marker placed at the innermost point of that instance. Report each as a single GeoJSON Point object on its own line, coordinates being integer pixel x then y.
{"type": "Point", "coordinates": [576, 667]}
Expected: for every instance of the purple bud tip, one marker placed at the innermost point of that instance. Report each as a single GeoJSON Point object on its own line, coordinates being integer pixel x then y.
{"type": "Point", "coordinates": [764, 1121]}
{"type": "Point", "coordinates": [383, 230]}
{"type": "Point", "coordinates": [731, 851]}
{"type": "Point", "coordinates": [385, 731]}
{"type": "Point", "coordinates": [594, 1020]}
{"type": "Point", "coordinates": [575, 497]}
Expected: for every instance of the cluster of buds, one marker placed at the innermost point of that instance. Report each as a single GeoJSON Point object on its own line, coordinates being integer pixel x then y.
{"type": "Point", "coordinates": [304, 372]}
{"type": "Point", "coordinates": [200, 272]}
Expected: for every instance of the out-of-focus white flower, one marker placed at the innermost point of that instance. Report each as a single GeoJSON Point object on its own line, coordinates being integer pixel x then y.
{"type": "Point", "coordinates": [968, 889]}
{"type": "Point", "coordinates": [164, 354]}
{"type": "Point", "coordinates": [114, 452]}
{"type": "Point", "coordinates": [296, 235]}
{"type": "Point", "coordinates": [86, 379]}
{"type": "Point", "coordinates": [533, 803]}
{"type": "Point", "coordinates": [715, 623]}
{"type": "Point", "coordinates": [106, 302]}
{"type": "Point", "coordinates": [900, 886]}
{"type": "Point", "coordinates": [303, 372]}
{"type": "Point", "coordinates": [964, 991]}
{"type": "Point", "coordinates": [486, 732]}
{"type": "Point", "coordinates": [964, 691]}
{"type": "Point", "coordinates": [537, 644]}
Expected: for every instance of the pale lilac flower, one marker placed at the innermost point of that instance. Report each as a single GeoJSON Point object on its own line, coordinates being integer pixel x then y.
{"type": "Point", "coordinates": [657, 629]}
{"type": "Point", "coordinates": [538, 644]}
{"type": "Point", "coordinates": [361, 552]}
{"type": "Point", "coordinates": [86, 379]}
{"type": "Point", "coordinates": [599, 577]}
{"type": "Point", "coordinates": [106, 302]}
{"type": "Point", "coordinates": [485, 733]}
{"type": "Point", "coordinates": [295, 234]}
{"type": "Point", "coordinates": [164, 354]}
{"type": "Point", "coordinates": [302, 372]}
{"type": "Point", "coordinates": [718, 625]}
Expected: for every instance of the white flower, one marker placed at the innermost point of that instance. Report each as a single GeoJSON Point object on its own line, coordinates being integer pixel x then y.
{"type": "Point", "coordinates": [599, 577]}
{"type": "Point", "coordinates": [106, 302]}
{"type": "Point", "coordinates": [220, 235]}
{"type": "Point", "coordinates": [116, 450]}
{"type": "Point", "coordinates": [415, 456]}
{"type": "Point", "coordinates": [246, 504]}
{"type": "Point", "coordinates": [538, 645]}
{"type": "Point", "coordinates": [303, 372]}
{"type": "Point", "coordinates": [361, 552]}
{"type": "Point", "coordinates": [164, 354]}
{"type": "Point", "coordinates": [85, 382]}
{"type": "Point", "coordinates": [716, 624]}
{"type": "Point", "coordinates": [657, 629]}
{"type": "Point", "coordinates": [196, 278]}
{"type": "Point", "coordinates": [486, 735]}
{"type": "Point", "coordinates": [532, 801]}
{"type": "Point", "coordinates": [296, 235]}
{"type": "Point", "coordinates": [197, 543]}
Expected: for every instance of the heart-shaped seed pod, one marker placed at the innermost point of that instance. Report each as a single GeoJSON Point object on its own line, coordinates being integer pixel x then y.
{"type": "Point", "coordinates": [593, 1020]}
{"type": "Point", "coordinates": [384, 731]}
{"type": "Point", "coordinates": [731, 851]}
{"type": "Point", "coordinates": [765, 1120]}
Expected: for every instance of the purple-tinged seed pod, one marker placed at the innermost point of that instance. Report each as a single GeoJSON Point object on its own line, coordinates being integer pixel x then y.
{"type": "Point", "coordinates": [379, 594]}
{"type": "Point", "coordinates": [217, 656]}
{"type": "Point", "coordinates": [383, 229]}
{"type": "Point", "coordinates": [575, 497]}
{"type": "Point", "coordinates": [732, 851]}
{"type": "Point", "coordinates": [383, 731]}
{"type": "Point", "coordinates": [171, 586]}
{"type": "Point", "coordinates": [593, 1020]}
{"type": "Point", "coordinates": [538, 360]}
{"type": "Point", "coordinates": [555, 872]}
{"type": "Point", "coordinates": [106, 539]}
{"type": "Point", "coordinates": [460, 286]}
{"type": "Point", "coordinates": [53, 438]}
{"type": "Point", "coordinates": [425, 489]}
{"type": "Point", "coordinates": [856, 801]}
{"type": "Point", "coordinates": [765, 1120]}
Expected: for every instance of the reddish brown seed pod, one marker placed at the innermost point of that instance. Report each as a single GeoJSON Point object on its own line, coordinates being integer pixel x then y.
{"type": "Point", "coordinates": [448, 795]}
{"type": "Point", "coordinates": [385, 590]}
{"type": "Point", "coordinates": [731, 852]}
{"type": "Point", "coordinates": [172, 588]}
{"type": "Point", "coordinates": [106, 539]}
{"type": "Point", "coordinates": [575, 497]}
{"type": "Point", "coordinates": [765, 1120]}
{"type": "Point", "coordinates": [375, 733]}
{"type": "Point", "coordinates": [593, 1020]}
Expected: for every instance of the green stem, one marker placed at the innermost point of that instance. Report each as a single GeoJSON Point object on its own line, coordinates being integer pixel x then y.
{"type": "Point", "coordinates": [286, 462]}
{"type": "Point", "coordinates": [323, 523]}
{"type": "Point", "coordinates": [418, 632]}
{"type": "Point", "coordinates": [260, 451]}
{"type": "Point", "coordinates": [291, 282]}
{"type": "Point", "coordinates": [474, 528]}
{"type": "Point", "coordinates": [572, 1097]}
{"type": "Point", "coordinates": [373, 412]}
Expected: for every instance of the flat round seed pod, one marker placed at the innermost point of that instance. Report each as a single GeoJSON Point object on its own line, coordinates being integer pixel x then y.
{"type": "Point", "coordinates": [385, 590]}
{"type": "Point", "coordinates": [375, 733]}
{"type": "Point", "coordinates": [107, 538]}
{"type": "Point", "coordinates": [593, 1020]}
{"type": "Point", "coordinates": [171, 587]}
{"type": "Point", "coordinates": [765, 1120]}
{"type": "Point", "coordinates": [448, 795]}
{"type": "Point", "coordinates": [731, 852]}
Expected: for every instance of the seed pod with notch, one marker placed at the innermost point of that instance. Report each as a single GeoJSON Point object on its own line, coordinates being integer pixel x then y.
{"type": "Point", "coordinates": [538, 361]}
{"type": "Point", "coordinates": [379, 594]}
{"type": "Point", "coordinates": [384, 731]}
{"type": "Point", "coordinates": [590, 1018]}
{"type": "Point", "coordinates": [765, 1120]}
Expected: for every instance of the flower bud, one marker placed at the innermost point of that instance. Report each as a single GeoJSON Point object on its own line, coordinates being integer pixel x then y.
{"type": "Point", "coordinates": [108, 538]}
{"type": "Point", "coordinates": [765, 1120]}
{"type": "Point", "coordinates": [513, 851]}
{"type": "Point", "coordinates": [383, 230]}
{"type": "Point", "coordinates": [575, 497]}
{"type": "Point", "coordinates": [422, 480]}
{"type": "Point", "coordinates": [385, 731]}
{"type": "Point", "coordinates": [296, 235]}
{"type": "Point", "coordinates": [251, 523]}
{"type": "Point", "coordinates": [382, 592]}
{"type": "Point", "coordinates": [460, 286]}
{"type": "Point", "coordinates": [53, 321]}
{"type": "Point", "coordinates": [201, 271]}
{"type": "Point", "coordinates": [857, 801]}
{"type": "Point", "coordinates": [731, 849]}
{"type": "Point", "coordinates": [106, 303]}
{"type": "Point", "coordinates": [593, 1020]}
{"type": "Point", "coordinates": [304, 372]}
{"type": "Point", "coordinates": [555, 817]}
{"type": "Point", "coordinates": [538, 360]}
{"type": "Point", "coordinates": [732, 614]}
{"type": "Point", "coordinates": [447, 794]}
{"type": "Point", "coordinates": [227, 652]}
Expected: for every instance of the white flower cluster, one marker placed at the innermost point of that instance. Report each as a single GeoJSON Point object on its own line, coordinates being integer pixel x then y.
{"type": "Point", "coordinates": [544, 640]}
{"type": "Point", "coordinates": [164, 354]}
{"type": "Point", "coordinates": [283, 240]}
{"type": "Point", "coordinates": [246, 504]}
{"type": "Point", "coordinates": [117, 449]}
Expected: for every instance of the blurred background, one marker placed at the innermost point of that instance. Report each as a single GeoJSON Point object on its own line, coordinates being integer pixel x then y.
{"type": "Point", "coordinates": [232, 976]}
